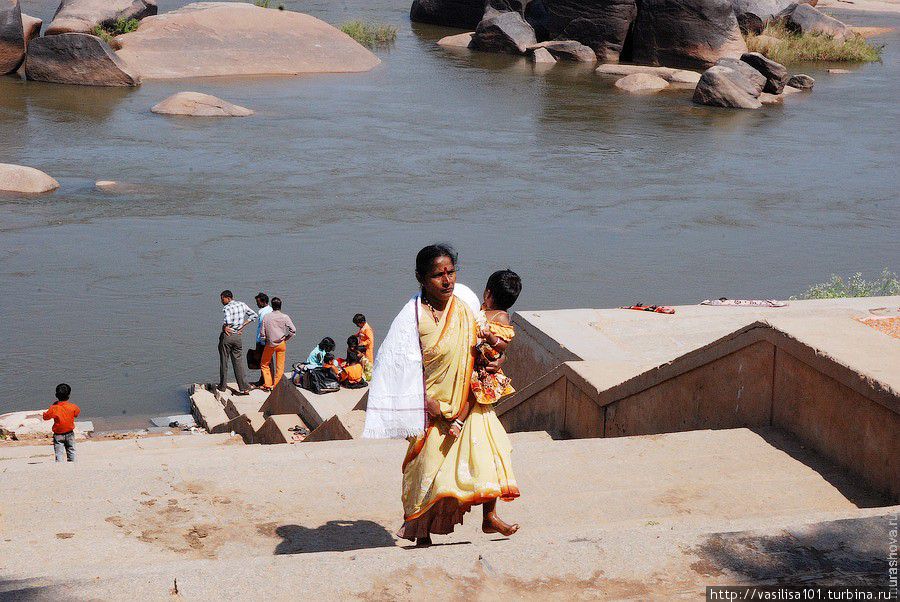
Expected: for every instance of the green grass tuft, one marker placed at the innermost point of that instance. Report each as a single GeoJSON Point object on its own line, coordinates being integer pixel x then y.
{"type": "Point", "coordinates": [370, 34]}
{"type": "Point", "coordinates": [122, 25]}
{"type": "Point", "coordinates": [794, 48]}
{"type": "Point", "coordinates": [855, 286]}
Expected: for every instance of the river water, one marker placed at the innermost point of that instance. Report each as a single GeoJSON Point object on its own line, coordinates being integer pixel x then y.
{"type": "Point", "coordinates": [324, 196]}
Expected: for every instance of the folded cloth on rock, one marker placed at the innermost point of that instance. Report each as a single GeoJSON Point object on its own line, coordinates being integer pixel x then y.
{"type": "Point", "coordinates": [396, 405]}
{"type": "Point", "coordinates": [659, 309]}
{"type": "Point", "coordinates": [723, 302]}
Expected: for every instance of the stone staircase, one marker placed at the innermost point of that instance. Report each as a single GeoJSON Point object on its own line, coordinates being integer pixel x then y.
{"type": "Point", "coordinates": [648, 517]}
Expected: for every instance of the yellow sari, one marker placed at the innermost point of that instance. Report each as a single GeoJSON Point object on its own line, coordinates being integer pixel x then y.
{"type": "Point", "coordinates": [444, 477]}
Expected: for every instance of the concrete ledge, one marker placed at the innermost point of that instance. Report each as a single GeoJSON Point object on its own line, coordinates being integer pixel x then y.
{"type": "Point", "coordinates": [208, 411]}
{"type": "Point", "coordinates": [348, 425]}
{"type": "Point", "coordinates": [276, 429]}
{"type": "Point", "coordinates": [246, 425]}
{"type": "Point", "coordinates": [312, 408]}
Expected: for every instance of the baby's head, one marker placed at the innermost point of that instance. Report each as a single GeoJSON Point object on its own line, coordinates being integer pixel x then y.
{"type": "Point", "coordinates": [502, 290]}
{"type": "Point", "coordinates": [326, 344]}
{"type": "Point", "coordinates": [329, 358]}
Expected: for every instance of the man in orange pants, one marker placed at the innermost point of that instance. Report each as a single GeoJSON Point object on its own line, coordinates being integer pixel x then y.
{"type": "Point", "coordinates": [277, 329]}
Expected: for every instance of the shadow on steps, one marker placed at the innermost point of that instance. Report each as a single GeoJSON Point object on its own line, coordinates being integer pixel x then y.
{"type": "Point", "coordinates": [333, 536]}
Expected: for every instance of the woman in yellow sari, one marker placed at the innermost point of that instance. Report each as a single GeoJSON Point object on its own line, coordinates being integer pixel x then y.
{"type": "Point", "coordinates": [444, 476]}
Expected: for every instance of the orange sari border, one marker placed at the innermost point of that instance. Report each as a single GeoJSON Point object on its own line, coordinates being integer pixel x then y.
{"type": "Point", "coordinates": [507, 493]}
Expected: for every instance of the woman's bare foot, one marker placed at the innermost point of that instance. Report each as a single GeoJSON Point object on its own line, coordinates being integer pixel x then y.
{"type": "Point", "coordinates": [493, 524]}
{"type": "Point", "coordinates": [423, 542]}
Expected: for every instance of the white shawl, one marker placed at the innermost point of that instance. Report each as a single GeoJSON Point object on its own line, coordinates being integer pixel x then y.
{"type": "Point", "coordinates": [396, 405]}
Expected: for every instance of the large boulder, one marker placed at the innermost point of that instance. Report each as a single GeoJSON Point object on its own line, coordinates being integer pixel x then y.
{"type": "Point", "coordinates": [232, 38]}
{"type": "Point", "coordinates": [753, 76]}
{"type": "Point", "coordinates": [601, 25]}
{"type": "Point", "coordinates": [449, 13]}
{"type": "Point", "coordinates": [754, 15]}
{"type": "Point", "coordinates": [12, 37]}
{"type": "Point", "coordinates": [18, 178]}
{"type": "Point", "coordinates": [196, 104]}
{"type": "Point", "coordinates": [776, 74]}
{"type": "Point", "coordinates": [568, 50]}
{"type": "Point", "coordinates": [31, 27]}
{"type": "Point", "coordinates": [503, 32]}
{"type": "Point", "coordinates": [642, 83]}
{"type": "Point", "coordinates": [721, 86]}
{"type": "Point", "coordinates": [77, 58]}
{"type": "Point", "coordinates": [82, 16]}
{"type": "Point", "coordinates": [693, 34]}
{"type": "Point", "coordinates": [806, 19]}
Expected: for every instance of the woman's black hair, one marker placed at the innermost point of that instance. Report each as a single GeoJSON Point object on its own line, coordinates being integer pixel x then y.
{"type": "Point", "coordinates": [326, 344]}
{"type": "Point", "coordinates": [505, 286]}
{"type": "Point", "coordinates": [425, 258]}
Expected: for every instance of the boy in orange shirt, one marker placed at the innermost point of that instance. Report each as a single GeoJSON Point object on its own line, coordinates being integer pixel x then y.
{"type": "Point", "coordinates": [366, 336]}
{"type": "Point", "coordinates": [63, 413]}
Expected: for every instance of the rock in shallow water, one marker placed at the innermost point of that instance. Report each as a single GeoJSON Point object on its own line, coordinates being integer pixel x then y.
{"type": "Point", "coordinates": [76, 58]}
{"type": "Point", "coordinates": [602, 25]}
{"type": "Point", "coordinates": [721, 86]}
{"type": "Point", "coordinates": [232, 38]}
{"type": "Point", "coordinates": [503, 32]}
{"type": "Point", "coordinates": [801, 82]}
{"type": "Point", "coordinates": [776, 74]}
{"type": "Point", "coordinates": [460, 40]}
{"type": "Point", "coordinates": [542, 56]}
{"type": "Point", "coordinates": [12, 37]}
{"type": "Point", "coordinates": [692, 34]}
{"type": "Point", "coordinates": [642, 83]}
{"type": "Point", "coordinates": [568, 50]}
{"type": "Point", "coordinates": [449, 13]}
{"type": "Point", "coordinates": [18, 178]}
{"type": "Point", "coordinates": [753, 76]}
{"type": "Point", "coordinates": [199, 105]}
{"type": "Point", "coordinates": [82, 16]}
{"type": "Point", "coordinates": [669, 74]}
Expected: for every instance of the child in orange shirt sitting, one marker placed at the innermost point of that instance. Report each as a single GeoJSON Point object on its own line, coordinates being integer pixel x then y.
{"type": "Point", "coordinates": [63, 413]}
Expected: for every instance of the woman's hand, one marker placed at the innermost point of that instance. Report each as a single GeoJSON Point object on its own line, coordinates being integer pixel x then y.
{"type": "Point", "coordinates": [432, 407]}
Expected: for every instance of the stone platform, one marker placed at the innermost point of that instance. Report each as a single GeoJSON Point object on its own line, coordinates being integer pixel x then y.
{"type": "Point", "coordinates": [813, 369]}
{"type": "Point", "coordinates": [286, 415]}
{"type": "Point", "coordinates": [646, 517]}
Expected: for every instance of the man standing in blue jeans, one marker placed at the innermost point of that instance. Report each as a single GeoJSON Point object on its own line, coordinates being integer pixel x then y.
{"type": "Point", "coordinates": [63, 413]}
{"type": "Point", "coordinates": [237, 316]}
{"type": "Point", "coordinates": [262, 302]}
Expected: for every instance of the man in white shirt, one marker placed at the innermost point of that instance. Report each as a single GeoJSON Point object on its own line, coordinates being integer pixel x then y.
{"type": "Point", "coordinates": [237, 316]}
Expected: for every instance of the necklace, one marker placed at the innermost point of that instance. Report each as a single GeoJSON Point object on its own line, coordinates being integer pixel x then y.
{"type": "Point", "coordinates": [434, 313]}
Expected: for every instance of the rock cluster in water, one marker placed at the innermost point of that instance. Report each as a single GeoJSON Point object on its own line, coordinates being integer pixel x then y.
{"type": "Point", "coordinates": [200, 39]}
{"type": "Point", "coordinates": [667, 39]}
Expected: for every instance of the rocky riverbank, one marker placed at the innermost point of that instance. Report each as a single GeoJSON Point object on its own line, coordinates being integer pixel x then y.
{"type": "Point", "coordinates": [224, 39]}
{"type": "Point", "coordinates": [699, 42]}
